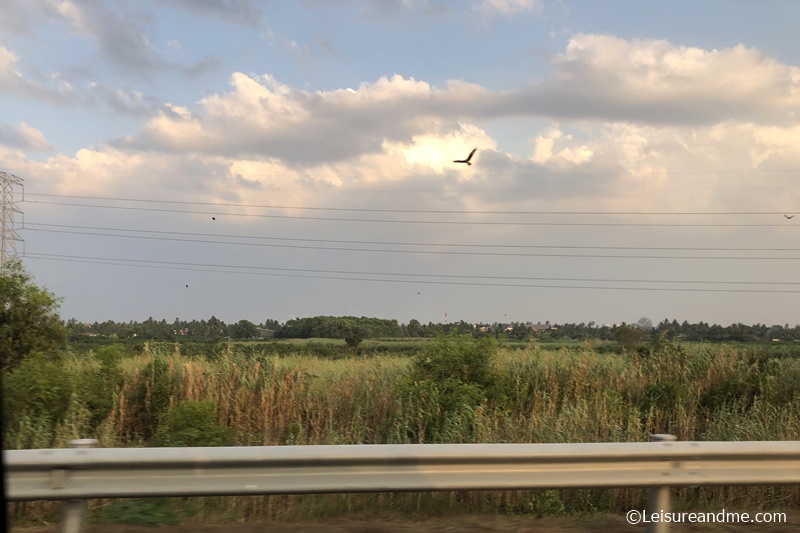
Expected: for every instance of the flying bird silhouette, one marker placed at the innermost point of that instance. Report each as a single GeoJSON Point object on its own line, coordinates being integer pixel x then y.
{"type": "Point", "coordinates": [467, 160]}
{"type": "Point", "coordinates": [789, 217]}
{"type": "Point", "coordinates": [187, 286]}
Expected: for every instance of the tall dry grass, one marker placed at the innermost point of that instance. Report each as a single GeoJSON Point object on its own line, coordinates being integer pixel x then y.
{"type": "Point", "coordinates": [548, 396]}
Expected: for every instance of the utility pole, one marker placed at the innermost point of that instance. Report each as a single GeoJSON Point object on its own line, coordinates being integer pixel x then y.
{"type": "Point", "coordinates": [8, 246]}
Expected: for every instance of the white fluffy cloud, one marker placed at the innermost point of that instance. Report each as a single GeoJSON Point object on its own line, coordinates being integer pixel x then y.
{"type": "Point", "coordinates": [627, 115]}
{"type": "Point", "coordinates": [597, 78]}
{"type": "Point", "coordinates": [654, 80]}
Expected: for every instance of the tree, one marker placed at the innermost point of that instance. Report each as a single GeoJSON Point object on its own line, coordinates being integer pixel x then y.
{"type": "Point", "coordinates": [629, 337]}
{"type": "Point", "coordinates": [352, 340]}
{"type": "Point", "coordinates": [414, 328]}
{"type": "Point", "coordinates": [29, 320]}
{"type": "Point", "coordinates": [244, 329]}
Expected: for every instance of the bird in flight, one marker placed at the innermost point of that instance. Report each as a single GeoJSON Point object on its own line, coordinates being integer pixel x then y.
{"type": "Point", "coordinates": [187, 286]}
{"type": "Point", "coordinates": [789, 217]}
{"type": "Point", "coordinates": [467, 160]}
{"type": "Point", "coordinates": [213, 218]}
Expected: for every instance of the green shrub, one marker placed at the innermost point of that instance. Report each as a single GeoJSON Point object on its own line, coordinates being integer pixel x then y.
{"type": "Point", "coordinates": [145, 512]}
{"type": "Point", "coordinates": [151, 397]}
{"type": "Point", "coordinates": [190, 423]}
{"type": "Point", "coordinates": [458, 358]}
{"type": "Point", "coordinates": [739, 390]}
{"type": "Point", "coordinates": [36, 388]}
{"type": "Point", "coordinates": [447, 381]}
{"type": "Point", "coordinates": [664, 397]}
{"type": "Point", "coordinates": [97, 388]}
{"type": "Point", "coordinates": [353, 340]}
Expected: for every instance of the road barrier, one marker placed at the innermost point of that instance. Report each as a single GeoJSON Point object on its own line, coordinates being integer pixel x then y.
{"type": "Point", "coordinates": [80, 473]}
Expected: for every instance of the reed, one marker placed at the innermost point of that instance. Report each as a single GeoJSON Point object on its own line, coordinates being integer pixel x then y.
{"type": "Point", "coordinates": [697, 392]}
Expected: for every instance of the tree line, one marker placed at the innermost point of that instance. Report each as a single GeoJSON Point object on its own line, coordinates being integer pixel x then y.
{"type": "Point", "coordinates": [30, 323]}
{"type": "Point", "coordinates": [332, 327]}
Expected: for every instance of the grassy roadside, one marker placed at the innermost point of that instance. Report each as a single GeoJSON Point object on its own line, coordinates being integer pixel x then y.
{"type": "Point", "coordinates": [465, 524]}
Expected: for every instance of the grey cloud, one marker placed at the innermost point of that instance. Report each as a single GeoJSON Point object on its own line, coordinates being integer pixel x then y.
{"type": "Point", "coordinates": [202, 68]}
{"type": "Point", "coordinates": [242, 12]}
{"type": "Point", "coordinates": [121, 37]}
{"type": "Point", "coordinates": [16, 19]}
{"type": "Point", "coordinates": [23, 137]}
{"type": "Point", "coordinates": [382, 8]}
{"type": "Point", "coordinates": [123, 101]}
{"type": "Point", "coordinates": [54, 90]}
{"type": "Point", "coordinates": [51, 90]}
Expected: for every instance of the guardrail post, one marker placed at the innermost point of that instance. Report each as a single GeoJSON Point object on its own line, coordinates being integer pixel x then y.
{"type": "Point", "coordinates": [658, 497]}
{"type": "Point", "coordinates": [73, 512]}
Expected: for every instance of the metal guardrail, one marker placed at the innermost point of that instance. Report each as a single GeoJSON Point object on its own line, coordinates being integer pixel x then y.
{"type": "Point", "coordinates": [81, 473]}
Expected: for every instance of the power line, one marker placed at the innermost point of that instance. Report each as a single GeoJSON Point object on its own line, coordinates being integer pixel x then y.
{"type": "Point", "coordinates": [436, 252]}
{"type": "Point", "coordinates": [451, 222]}
{"type": "Point", "coordinates": [414, 211]}
{"type": "Point", "coordinates": [30, 226]}
{"type": "Point", "coordinates": [175, 265]}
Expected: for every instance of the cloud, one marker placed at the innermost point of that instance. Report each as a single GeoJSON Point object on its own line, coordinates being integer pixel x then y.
{"type": "Point", "coordinates": [23, 137]}
{"type": "Point", "coordinates": [242, 12]}
{"type": "Point", "coordinates": [17, 17]}
{"type": "Point", "coordinates": [52, 89]}
{"type": "Point", "coordinates": [124, 101]}
{"type": "Point", "coordinates": [605, 77]}
{"type": "Point", "coordinates": [121, 37]}
{"type": "Point", "coordinates": [508, 7]}
{"type": "Point", "coordinates": [261, 116]}
{"type": "Point", "coordinates": [380, 9]}
{"type": "Point", "coordinates": [261, 138]}
{"type": "Point", "coordinates": [599, 79]}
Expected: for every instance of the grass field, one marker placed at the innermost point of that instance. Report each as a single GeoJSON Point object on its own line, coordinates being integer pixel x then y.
{"type": "Point", "coordinates": [238, 395]}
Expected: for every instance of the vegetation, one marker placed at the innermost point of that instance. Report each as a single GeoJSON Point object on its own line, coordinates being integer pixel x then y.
{"type": "Point", "coordinates": [321, 327]}
{"type": "Point", "coordinates": [477, 386]}
{"type": "Point", "coordinates": [455, 389]}
{"type": "Point", "coordinates": [29, 321]}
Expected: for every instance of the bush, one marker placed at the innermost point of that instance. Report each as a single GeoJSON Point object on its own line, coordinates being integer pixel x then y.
{"type": "Point", "coordinates": [629, 337]}
{"type": "Point", "coordinates": [664, 398]}
{"type": "Point", "coordinates": [353, 340]}
{"type": "Point", "coordinates": [737, 391]}
{"type": "Point", "coordinates": [98, 388]}
{"type": "Point", "coordinates": [35, 389]}
{"type": "Point", "coordinates": [448, 380]}
{"type": "Point", "coordinates": [192, 423]}
{"type": "Point", "coordinates": [151, 398]}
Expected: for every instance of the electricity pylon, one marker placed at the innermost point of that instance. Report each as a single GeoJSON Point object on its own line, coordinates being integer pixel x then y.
{"type": "Point", "coordinates": [10, 238]}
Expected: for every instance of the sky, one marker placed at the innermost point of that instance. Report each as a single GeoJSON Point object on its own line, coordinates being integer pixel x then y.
{"type": "Point", "coordinates": [280, 159]}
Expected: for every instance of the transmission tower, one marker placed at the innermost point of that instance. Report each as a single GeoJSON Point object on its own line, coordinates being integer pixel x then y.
{"type": "Point", "coordinates": [8, 246]}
